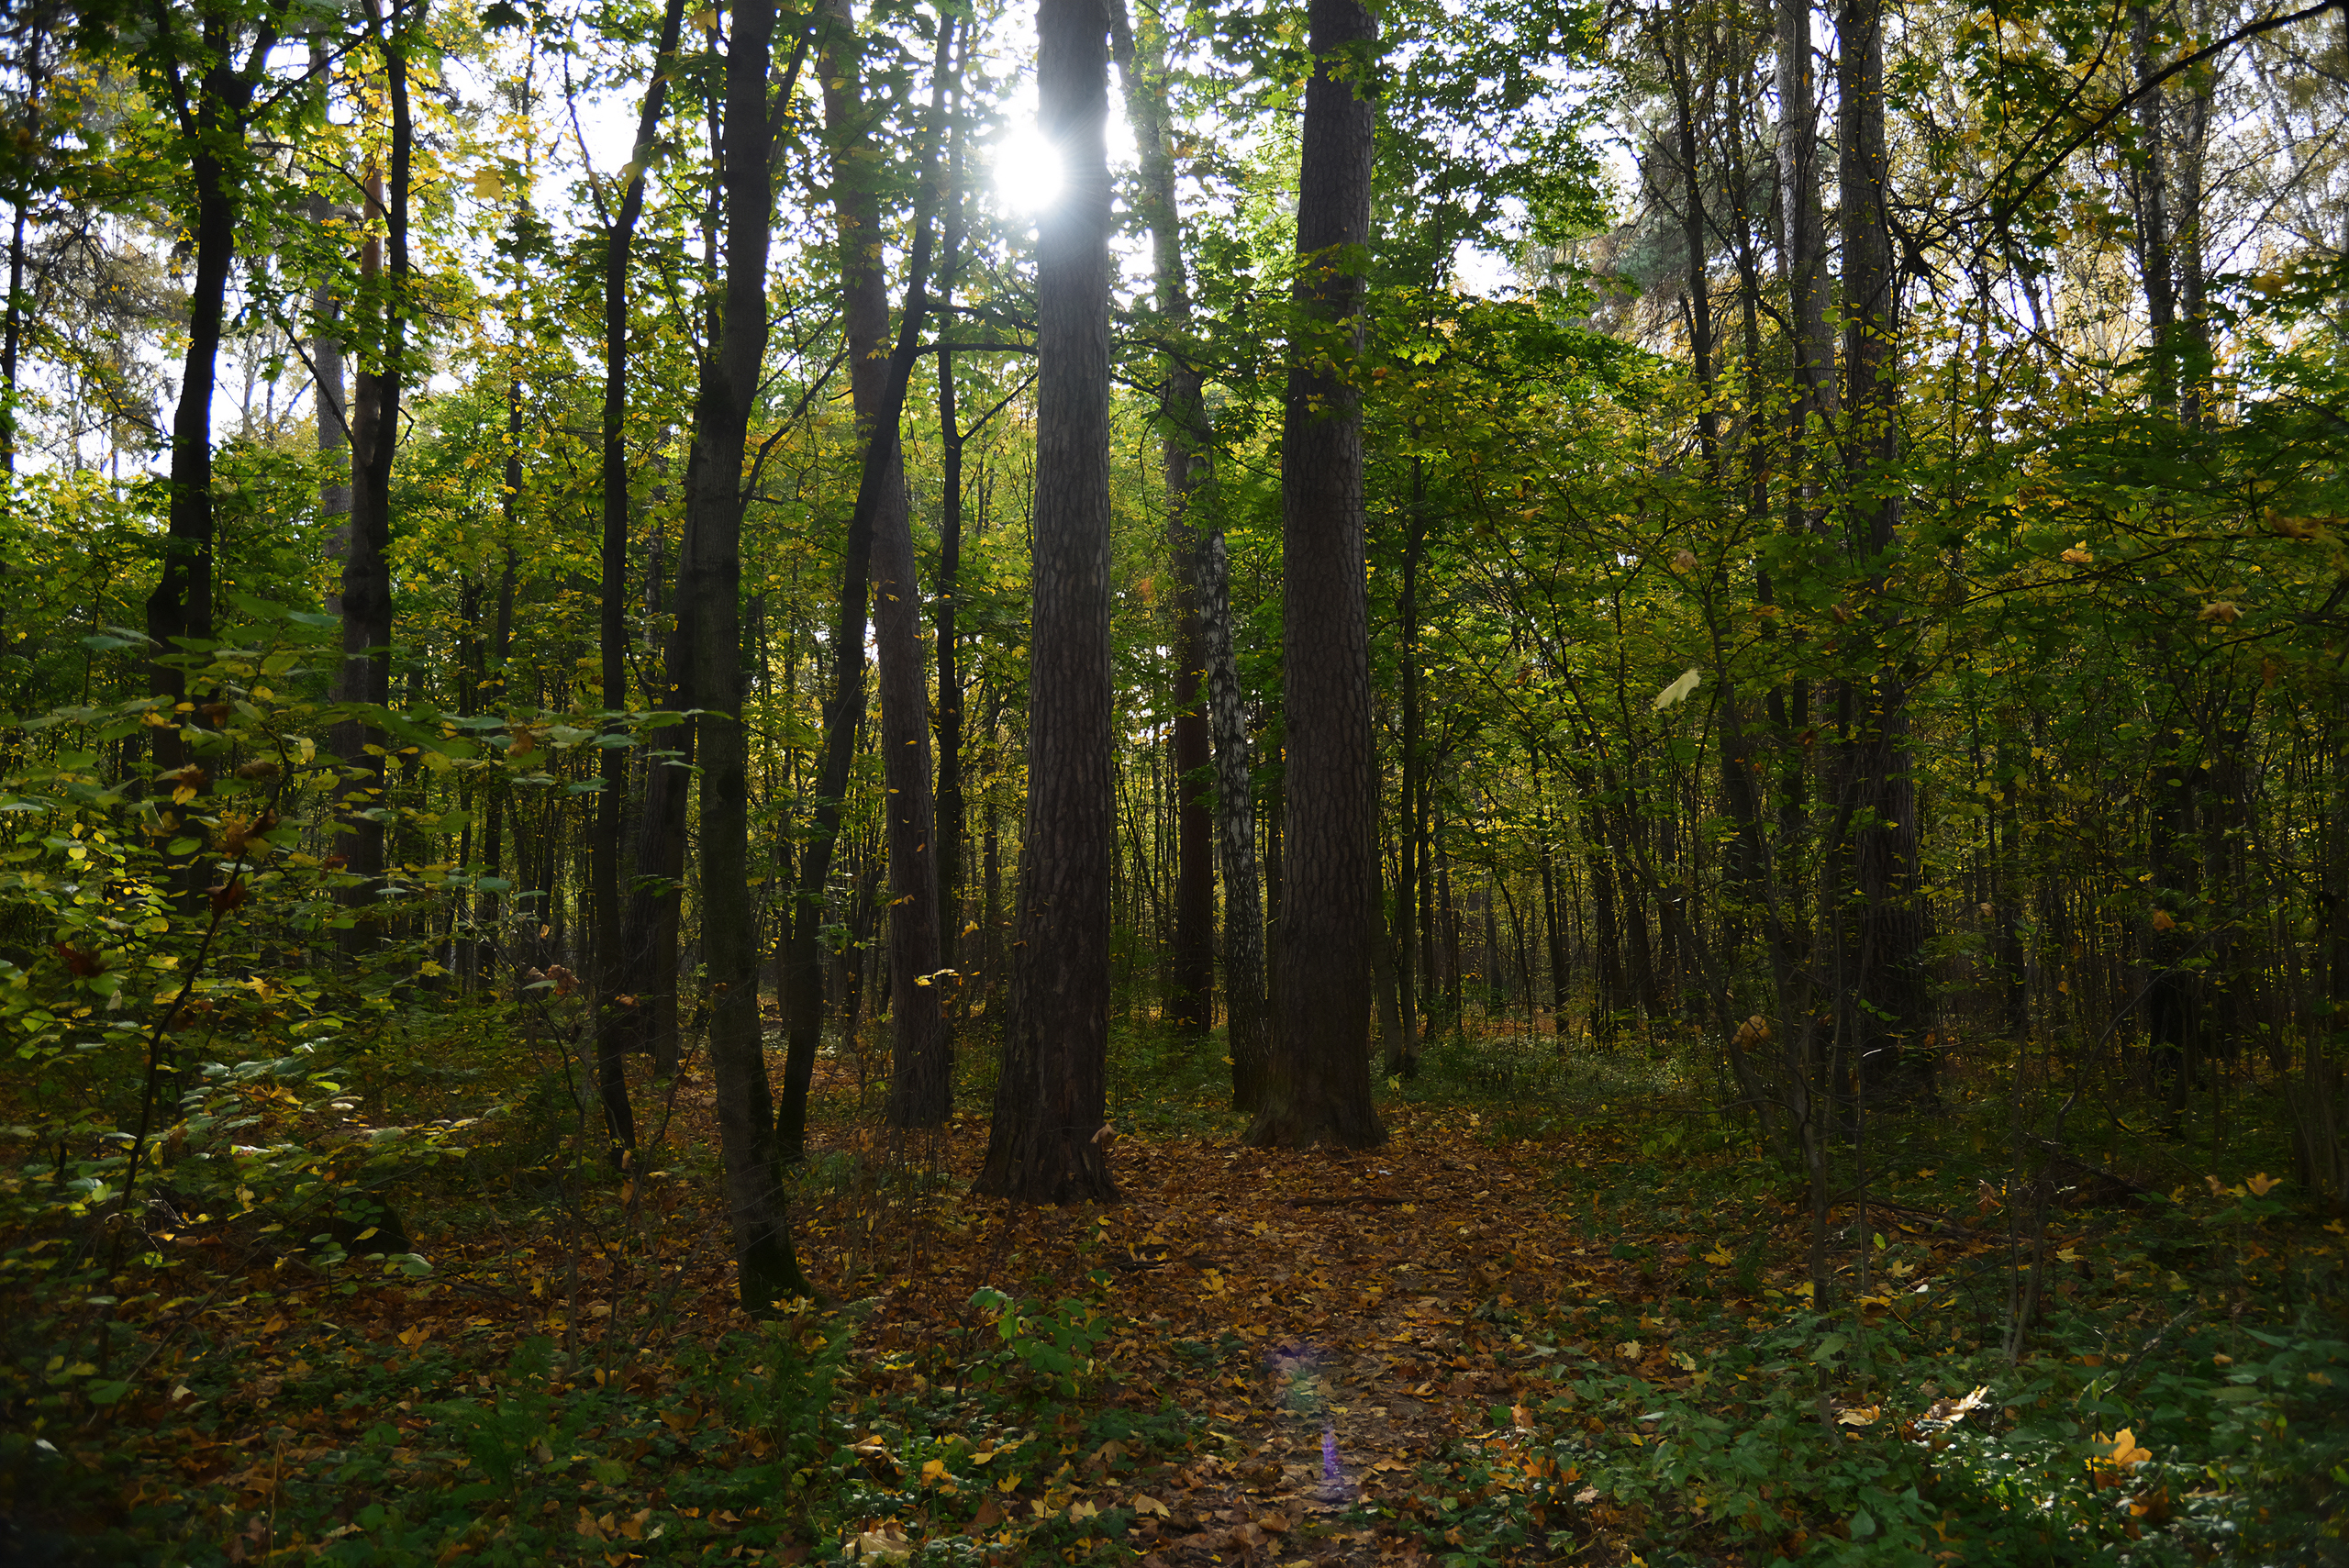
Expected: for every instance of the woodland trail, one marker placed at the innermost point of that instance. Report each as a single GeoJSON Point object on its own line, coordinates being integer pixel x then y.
{"type": "Point", "coordinates": [1342, 1318]}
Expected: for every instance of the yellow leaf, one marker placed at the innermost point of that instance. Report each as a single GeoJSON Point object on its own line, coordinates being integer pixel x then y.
{"type": "Point", "coordinates": [1721, 1256]}
{"type": "Point", "coordinates": [1679, 690]}
{"type": "Point", "coordinates": [2264, 1184]}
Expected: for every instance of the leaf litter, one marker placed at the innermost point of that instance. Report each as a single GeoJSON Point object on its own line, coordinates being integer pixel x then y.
{"type": "Point", "coordinates": [1350, 1346]}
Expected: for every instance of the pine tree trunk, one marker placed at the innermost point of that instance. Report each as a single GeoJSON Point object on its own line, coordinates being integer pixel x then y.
{"type": "Point", "coordinates": [1318, 1089]}
{"type": "Point", "coordinates": [1045, 1144]}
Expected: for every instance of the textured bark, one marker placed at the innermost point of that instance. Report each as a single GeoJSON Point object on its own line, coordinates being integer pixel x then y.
{"type": "Point", "coordinates": [710, 581]}
{"type": "Point", "coordinates": [1318, 1089]}
{"type": "Point", "coordinates": [1247, 1024]}
{"type": "Point", "coordinates": [617, 1025]}
{"type": "Point", "coordinates": [1045, 1145]}
{"type": "Point", "coordinates": [1190, 996]}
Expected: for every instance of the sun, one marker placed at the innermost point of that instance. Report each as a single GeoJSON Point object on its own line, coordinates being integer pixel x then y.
{"type": "Point", "coordinates": [1027, 169]}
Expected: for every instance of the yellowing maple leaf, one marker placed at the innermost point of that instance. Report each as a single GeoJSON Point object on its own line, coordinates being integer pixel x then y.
{"type": "Point", "coordinates": [1721, 1257]}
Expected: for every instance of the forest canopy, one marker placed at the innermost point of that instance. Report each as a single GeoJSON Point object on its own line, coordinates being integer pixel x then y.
{"type": "Point", "coordinates": [775, 711]}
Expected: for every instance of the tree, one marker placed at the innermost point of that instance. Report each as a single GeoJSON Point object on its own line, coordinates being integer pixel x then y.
{"type": "Point", "coordinates": [211, 100]}
{"type": "Point", "coordinates": [1318, 1088]}
{"type": "Point", "coordinates": [616, 1023]}
{"type": "Point", "coordinates": [1045, 1142]}
{"type": "Point", "coordinates": [366, 673]}
{"type": "Point", "coordinates": [1190, 991]}
{"type": "Point", "coordinates": [710, 583]}
{"type": "Point", "coordinates": [1879, 942]}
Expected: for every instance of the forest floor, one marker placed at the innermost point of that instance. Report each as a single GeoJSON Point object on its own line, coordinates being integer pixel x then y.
{"type": "Point", "coordinates": [1529, 1329]}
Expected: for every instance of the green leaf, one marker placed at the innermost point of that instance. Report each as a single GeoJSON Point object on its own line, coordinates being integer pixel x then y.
{"type": "Point", "coordinates": [1863, 1524]}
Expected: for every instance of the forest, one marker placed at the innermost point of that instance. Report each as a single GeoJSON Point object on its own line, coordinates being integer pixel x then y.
{"type": "Point", "coordinates": [1443, 782]}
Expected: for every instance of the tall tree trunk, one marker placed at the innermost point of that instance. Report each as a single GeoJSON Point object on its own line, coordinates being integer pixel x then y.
{"type": "Point", "coordinates": [921, 1081]}
{"type": "Point", "coordinates": [1190, 993]}
{"type": "Point", "coordinates": [951, 812]}
{"type": "Point", "coordinates": [1411, 977]}
{"type": "Point", "coordinates": [1045, 1144]}
{"type": "Point", "coordinates": [366, 673]}
{"type": "Point", "coordinates": [710, 580]}
{"type": "Point", "coordinates": [921, 1084]}
{"type": "Point", "coordinates": [1318, 1090]}
{"type": "Point", "coordinates": [1883, 990]}
{"type": "Point", "coordinates": [1247, 1023]}
{"type": "Point", "coordinates": [864, 304]}
{"type": "Point", "coordinates": [649, 923]}
{"type": "Point", "coordinates": [615, 1025]}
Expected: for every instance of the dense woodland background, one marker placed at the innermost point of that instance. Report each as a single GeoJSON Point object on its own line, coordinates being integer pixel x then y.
{"type": "Point", "coordinates": [584, 585]}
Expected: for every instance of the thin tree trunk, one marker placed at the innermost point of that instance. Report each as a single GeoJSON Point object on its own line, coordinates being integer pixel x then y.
{"type": "Point", "coordinates": [922, 1086]}
{"type": "Point", "coordinates": [1045, 1145]}
{"type": "Point", "coordinates": [1190, 993]}
{"type": "Point", "coordinates": [951, 828]}
{"type": "Point", "coordinates": [333, 406]}
{"type": "Point", "coordinates": [864, 304]}
{"type": "Point", "coordinates": [616, 1024]}
{"type": "Point", "coordinates": [1411, 977]}
{"type": "Point", "coordinates": [1318, 1089]}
